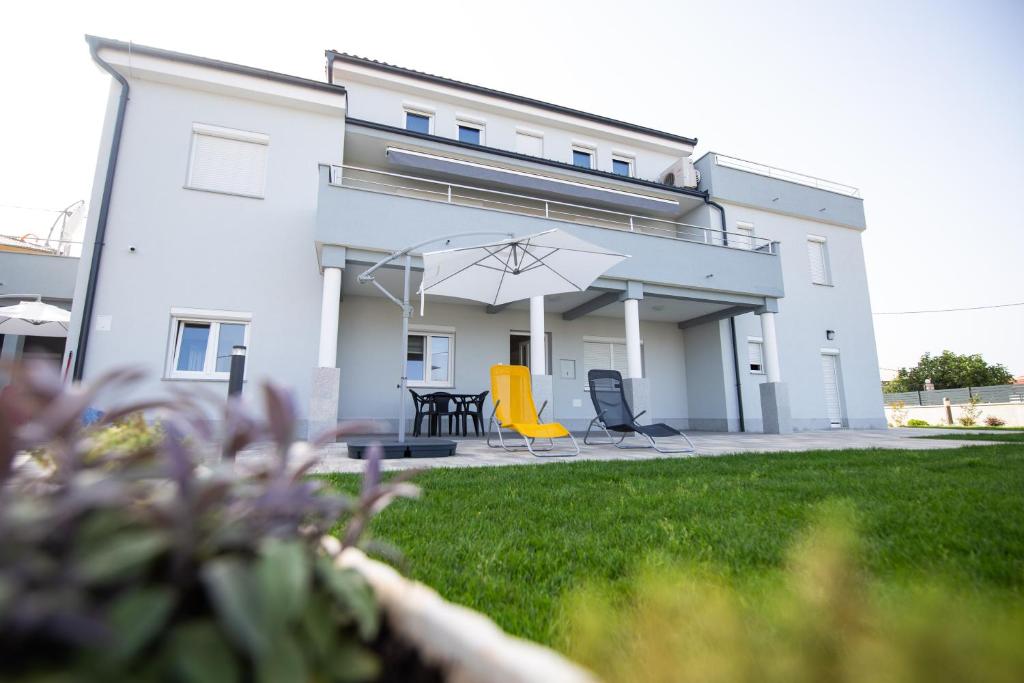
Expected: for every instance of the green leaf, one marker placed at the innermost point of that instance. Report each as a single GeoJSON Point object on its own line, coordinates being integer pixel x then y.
{"type": "Point", "coordinates": [232, 590]}
{"type": "Point", "coordinates": [122, 554]}
{"type": "Point", "coordinates": [284, 662]}
{"type": "Point", "coordinates": [319, 627]}
{"type": "Point", "coordinates": [136, 617]}
{"type": "Point", "coordinates": [201, 655]}
{"type": "Point", "coordinates": [354, 594]}
{"type": "Point", "coordinates": [282, 576]}
{"type": "Point", "coordinates": [352, 663]}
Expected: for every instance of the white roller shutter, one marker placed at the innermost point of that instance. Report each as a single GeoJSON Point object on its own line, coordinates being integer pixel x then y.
{"type": "Point", "coordinates": [755, 355]}
{"type": "Point", "coordinates": [532, 145]}
{"type": "Point", "coordinates": [228, 161]}
{"type": "Point", "coordinates": [833, 405]}
{"type": "Point", "coordinates": [816, 254]}
{"type": "Point", "coordinates": [604, 356]}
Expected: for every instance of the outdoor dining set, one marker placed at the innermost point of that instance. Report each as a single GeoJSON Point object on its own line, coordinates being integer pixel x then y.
{"type": "Point", "coordinates": [457, 409]}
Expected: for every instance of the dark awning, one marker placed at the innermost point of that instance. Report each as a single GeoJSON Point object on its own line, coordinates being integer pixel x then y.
{"type": "Point", "coordinates": [526, 182]}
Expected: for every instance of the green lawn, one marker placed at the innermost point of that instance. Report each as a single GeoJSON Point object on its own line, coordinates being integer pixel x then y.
{"type": "Point", "coordinates": [513, 541]}
{"type": "Point", "coordinates": [1011, 437]}
{"type": "Point", "coordinates": [974, 428]}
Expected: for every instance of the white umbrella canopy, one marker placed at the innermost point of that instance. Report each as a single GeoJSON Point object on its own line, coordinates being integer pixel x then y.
{"type": "Point", "coordinates": [549, 262]}
{"type": "Point", "coordinates": [34, 319]}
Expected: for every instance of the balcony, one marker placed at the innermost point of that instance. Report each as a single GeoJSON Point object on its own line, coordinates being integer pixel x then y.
{"type": "Point", "coordinates": [413, 187]}
{"type": "Point", "coordinates": [376, 211]}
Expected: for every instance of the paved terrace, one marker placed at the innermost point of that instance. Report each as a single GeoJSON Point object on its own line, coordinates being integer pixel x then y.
{"type": "Point", "coordinates": [475, 452]}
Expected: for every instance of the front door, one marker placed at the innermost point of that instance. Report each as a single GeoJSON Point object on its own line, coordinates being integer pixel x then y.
{"type": "Point", "coordinates": [833, 400]}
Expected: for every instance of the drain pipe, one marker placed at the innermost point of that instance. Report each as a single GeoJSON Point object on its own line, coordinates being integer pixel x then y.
{"type": "Point", "coordinates": [104, 213]}
{"type": "Point", "coordinates": [732, 322]}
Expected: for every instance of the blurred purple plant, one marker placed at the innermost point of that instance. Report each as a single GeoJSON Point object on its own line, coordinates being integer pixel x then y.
{"type": "Point", "coordinates": [146, 564]}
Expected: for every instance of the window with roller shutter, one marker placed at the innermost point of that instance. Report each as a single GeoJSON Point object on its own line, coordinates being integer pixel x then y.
{"type": "Point", "coordinates": [605, 355]}
{"type": "Point", "coordinates": [817, 254]}
{"type": "Point", "coordinates": [228, 161]}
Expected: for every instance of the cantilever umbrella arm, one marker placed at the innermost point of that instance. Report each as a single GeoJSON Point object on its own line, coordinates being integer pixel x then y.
{"type": "Point", "coordinates": [368, 276]}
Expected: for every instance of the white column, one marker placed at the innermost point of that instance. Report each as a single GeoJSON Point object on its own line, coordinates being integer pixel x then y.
{"type": "Point", "coordinates": [771, 347]}
{"type": "Point", "coordinates": [330, 307]}
{"type": "Point", "coordinates": [634, 366]}
{"type": "Point", "coordinates": [538, 345]}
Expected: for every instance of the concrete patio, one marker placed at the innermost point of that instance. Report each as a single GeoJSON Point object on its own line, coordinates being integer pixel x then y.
{"type": "Point", "coordinates": [474, 452]}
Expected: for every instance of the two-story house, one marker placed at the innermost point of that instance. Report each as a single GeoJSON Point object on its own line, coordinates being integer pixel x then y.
{"type": "Point", "coordinates": [239, 206]}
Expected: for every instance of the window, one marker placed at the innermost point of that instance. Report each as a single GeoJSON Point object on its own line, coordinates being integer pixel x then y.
{"type": "Point", "coordinates": [817, 252]}
{"type": "Point", "coordinates": [419, 122]}
{"type": "Point", "coordinates": [530, 143]}
{"type": "Point", "coordinates": [582, 157]}
{"type": "Point", "coordinates": [744, 238]}
{"type": "Point", "coordinates": [227, 161]}
{"type": "Point", "coordinates": [605, 354]}
{"type": "Point", "coordinates": [473, 133]}
{"type": "Point", "coordinates": [755, 354]}
{"type": "Point", "coordinates": [430, 359]}
{"type": "Point", "coordinates": [201, 342]}
{"type": "Point", "coordinates": [622, 165]}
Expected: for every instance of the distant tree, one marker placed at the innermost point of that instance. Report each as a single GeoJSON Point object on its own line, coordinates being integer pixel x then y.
{"type": "Point", "coordinates": [949, 370]}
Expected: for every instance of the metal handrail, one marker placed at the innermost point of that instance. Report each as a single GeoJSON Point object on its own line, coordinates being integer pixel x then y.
{"type": "Point", "coordinates": [783, 174]}
{"type": "Point", "coordinates": [497, 200]}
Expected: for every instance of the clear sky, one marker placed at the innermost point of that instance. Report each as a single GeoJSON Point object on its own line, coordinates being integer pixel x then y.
{"type": "Point", "coordinates": [920, 104]}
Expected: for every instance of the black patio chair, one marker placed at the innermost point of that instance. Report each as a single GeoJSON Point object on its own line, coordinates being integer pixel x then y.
{"type": "Point", "coordinates": [614, 415]}
{"type": "Point", "coordinates": [422, 405]}
{"type": "Point", "coordinates": [443, 404]}
{"type": "Point", "coordinates": [473, 407]}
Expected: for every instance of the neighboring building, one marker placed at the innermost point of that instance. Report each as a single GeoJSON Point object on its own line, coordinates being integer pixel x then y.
{"type": "Point", "coordinates": [245, 203]}
{"type": "Point", "coordinates": [29, 272]}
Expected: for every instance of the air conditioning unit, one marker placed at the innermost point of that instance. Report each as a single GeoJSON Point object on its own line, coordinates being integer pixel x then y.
{"type": "Point", "coordinates": [681, 174]}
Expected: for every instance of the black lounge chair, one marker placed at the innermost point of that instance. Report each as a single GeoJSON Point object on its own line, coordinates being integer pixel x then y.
{"type": "Point", "coordinates": [614, 415]}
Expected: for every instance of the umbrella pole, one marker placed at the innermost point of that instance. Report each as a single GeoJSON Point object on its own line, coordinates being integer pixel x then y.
{"type": "Point", "coordinates": [406, 312]}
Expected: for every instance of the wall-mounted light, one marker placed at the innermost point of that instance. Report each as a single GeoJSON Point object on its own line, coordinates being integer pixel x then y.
{"type": "Point", "coordinates": [830, 334]}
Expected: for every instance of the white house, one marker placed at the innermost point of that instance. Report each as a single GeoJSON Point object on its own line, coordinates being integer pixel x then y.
{"type": "Point", "coordinates": [234, 205]}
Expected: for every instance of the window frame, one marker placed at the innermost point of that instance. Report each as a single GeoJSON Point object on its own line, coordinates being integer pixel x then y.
{"type": "Point", "coordinates": [417, 111]}
{"type": "Point", "coordinates": [536, 134]}
{"type": "Point", "coordinates": [760, 344]}
{"type": "Point", "coordinates": [547, 347]}
{"type": "Point", "coordinates": [428, 333]}
{"type": "Point", "coordinates": [181, 316]}
{"type": "Point", "coordinates": [611, 342]}
{"type": "Point", "coordinates": [474, 124]}
{"type": "Point", "coordinates": [583, 149]}
{"type": "Point", "coordinates": [627, 159]}
{"type": "Point", "coordinates": [237, 135]}
{"type": "Point", "coordinates": [826, 268]}
{"type": "Point", "coordinates": [745, 231]}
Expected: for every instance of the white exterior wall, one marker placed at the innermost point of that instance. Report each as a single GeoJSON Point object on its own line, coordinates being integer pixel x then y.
{"type": "Point", "coordinates": [386, 105]}
{"type": "Point", "coordinates": [206, 250]}
{"type": "Point", "coordinates": [371, 336]}
{"type": "Point", "coordinates": [805, 313]}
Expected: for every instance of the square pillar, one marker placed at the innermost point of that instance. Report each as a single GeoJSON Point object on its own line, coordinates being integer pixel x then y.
{"type": "Point", "coordinates": [638, 393]}
{"type": "Point", "coordinates": [325, 387]}
{"type": "Point", "coordinates": [775, 415]}
{"type": "Point", "coordinates": [325, 390]}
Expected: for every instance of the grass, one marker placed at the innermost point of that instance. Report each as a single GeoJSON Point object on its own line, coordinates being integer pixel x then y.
{"type": "Point", "coordinates": [513, 542]}
{"type": "Point", "coordinates": [1003, 428]}
{"type": "Point", "coordinates": [1010, 437]}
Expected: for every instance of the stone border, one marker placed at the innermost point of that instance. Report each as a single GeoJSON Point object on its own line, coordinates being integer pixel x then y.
{"type": "Point", "coordinates": [467, 645]}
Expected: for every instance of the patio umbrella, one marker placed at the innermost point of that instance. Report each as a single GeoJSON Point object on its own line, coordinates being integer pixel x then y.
{"type": "Point", "coordinates": [34, 319]}
{"type": "Point", "coordinates": [549, 262]}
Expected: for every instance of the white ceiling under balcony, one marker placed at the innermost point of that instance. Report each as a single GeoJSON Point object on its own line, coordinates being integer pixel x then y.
{"type": "Point", "coordinates": [653, 309]}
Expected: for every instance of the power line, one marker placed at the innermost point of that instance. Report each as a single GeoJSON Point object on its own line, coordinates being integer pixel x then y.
{"type": "Point", "coordinates": [950, 310]}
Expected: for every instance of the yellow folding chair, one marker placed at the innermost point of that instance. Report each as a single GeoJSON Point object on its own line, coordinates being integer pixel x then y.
{"type": "Point", "coordinates": [515, 411]}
